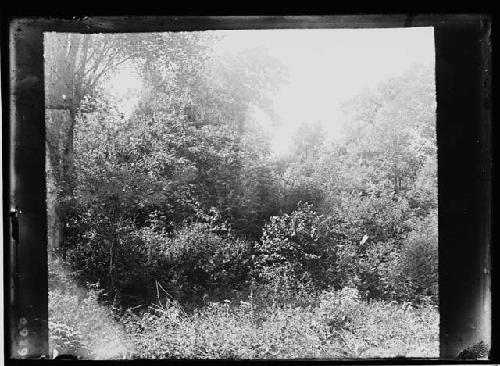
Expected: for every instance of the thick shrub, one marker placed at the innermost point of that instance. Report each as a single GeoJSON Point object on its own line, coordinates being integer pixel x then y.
{"type": "Point", "coordinates": [303, 244]}
{"type": "Point", "coordinates": [375, 226]}
{"type": "Point", "coordinates": [279, 284]}
{"type": "Point", "coordinates": [131, 264]}
{"type": "Point", "coordinates": [415, 275]}
{"type": "Point", "coordinates": [404, 269]}
{"type": "Point", "coordinates": [381, 216]}
{"type": "Point", "coordinates": [199, 263]}
{"type": "Point", "coordinates": [123, 259]}
{"type": "Point", "coordinates": [373, 268]}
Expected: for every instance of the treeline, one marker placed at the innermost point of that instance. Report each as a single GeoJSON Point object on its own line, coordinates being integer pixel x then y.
{"type": "Point", "coordinates": [185, 195]}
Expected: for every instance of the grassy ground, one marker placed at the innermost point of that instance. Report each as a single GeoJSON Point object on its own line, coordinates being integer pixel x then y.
{"type": "Point", "coordinates": [337, 325]}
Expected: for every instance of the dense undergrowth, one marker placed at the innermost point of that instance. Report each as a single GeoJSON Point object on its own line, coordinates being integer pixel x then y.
{"type": "Point", "coordinates": [333, 324]}
{"type": "Point", "coordinates": [337, 325]}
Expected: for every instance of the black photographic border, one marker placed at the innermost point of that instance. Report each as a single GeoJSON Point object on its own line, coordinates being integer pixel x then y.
{"type": "Point", "coordinates": [464, 132]}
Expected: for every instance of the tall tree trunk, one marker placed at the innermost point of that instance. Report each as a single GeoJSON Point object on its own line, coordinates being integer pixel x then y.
{"type": "Point", "coordinates": [63, 100]}
{"type": "Point", "coordinates": [112, 249]}
{"type": "Point", "coordinates": [74, 63]}
{"type": "Point", "coordinates": [111, 265]}
{"type": "Point", "coordinates": [58, 132]}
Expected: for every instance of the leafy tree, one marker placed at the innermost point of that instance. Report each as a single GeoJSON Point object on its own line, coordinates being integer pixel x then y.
{"type": "Point", "coordinates": [75, 65]}
{"type": "Point", "coordinates": [308, 142]}
{"type": "Point", "coordinates": [390, 131]}
{"type": "Point", "coordinates": [212, 95]}
{"type": "Point", "coordinates": [306, 170]}
{"type": "Point", "coordinates": [161, 169]}
{"type": "Point", "coordinates": [185, 191]}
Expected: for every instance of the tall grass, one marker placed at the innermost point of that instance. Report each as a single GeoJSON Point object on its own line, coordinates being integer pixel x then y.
{"type": "Point", "coordinates": [340, 325]}
{"type": "Point", "coordinates": [335, 324]}
{"type": "Point", "coordinates": [78, 324]}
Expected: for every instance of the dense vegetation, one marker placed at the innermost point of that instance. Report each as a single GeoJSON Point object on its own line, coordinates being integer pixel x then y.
{"type": "Point", "coordinates": [337, 324]}
{"type": "Point", "coordinates": [188, 223]}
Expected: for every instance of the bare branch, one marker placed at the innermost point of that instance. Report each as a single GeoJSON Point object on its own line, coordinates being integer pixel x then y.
{"type": "Point", "coordinates": [107, 69]}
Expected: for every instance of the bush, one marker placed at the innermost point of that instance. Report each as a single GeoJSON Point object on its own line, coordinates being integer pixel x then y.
{"type": "Point", "coordinates": [398, 259]}
{"type": "Point", "coordinates": [374, 267]}
{"type": "Point", "coordinates": [302, 244]}
{"type": "Point", "coordinates": [402, 270]}
{"type": "Point", "coordinates": [415, 275]}
{"type": "Point", "coordinates": [130, 262]}
{"type": "Point", "coordinates": [280, 285]}
{"type": "Point", "coordinates": [198, 263]}
{"type": "Point", "coordinates": [381, 216]}
{"type": "Point", "coordinates": [123, 259]}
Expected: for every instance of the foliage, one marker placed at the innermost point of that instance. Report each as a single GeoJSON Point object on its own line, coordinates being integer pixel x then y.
{"type": "Point", "coordinates": [301, 245]}
{"type": "Point", "coordinates": [415, 272]}
{"type": "Point", "coordinates": [339, 325]}
{"type": "Point", "coordinates": [75, 67]}
{"type": "Point", "coordinates": [161, 168]}
{"type": "Point", "coordinates": [202, 264]}
{"type": "Point", "coordinates": [78, 324]}
{"type": "Point", "coordinates": [120, 259]}
{"type": "Point", "coordinates": [231, 252]}
{"type": "Point", "coordinates": [191, 263]}
{"type": "Point", "coordinates": [256, 197]}
{"type": "Point", "coordinates": [390, 132]}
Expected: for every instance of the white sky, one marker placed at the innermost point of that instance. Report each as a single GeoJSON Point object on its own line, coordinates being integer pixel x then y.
{"type": "Point", "coordinates": [325, 67]}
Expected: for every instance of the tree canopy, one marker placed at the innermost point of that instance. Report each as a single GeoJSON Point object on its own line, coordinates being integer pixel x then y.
{"type": "Point", "coordinates": [185, 191]}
